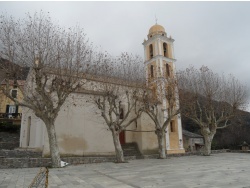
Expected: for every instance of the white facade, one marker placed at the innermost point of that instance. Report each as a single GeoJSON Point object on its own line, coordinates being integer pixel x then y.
{"type": "Point", "coordinates": [81, 131]}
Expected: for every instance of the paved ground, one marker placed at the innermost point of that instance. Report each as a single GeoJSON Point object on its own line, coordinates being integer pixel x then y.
{"type": "Point", "coordinates": [230, 170]}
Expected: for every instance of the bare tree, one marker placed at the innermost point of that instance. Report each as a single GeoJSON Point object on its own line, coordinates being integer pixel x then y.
{"type": "Point", "coordinates": [57, 59]}
{"type": "Point", "coordinates": [119, 100]}
{"type": "Point", "coordinates": [165, 97]}
{"type": "Point", "coordinates": [210, 100]}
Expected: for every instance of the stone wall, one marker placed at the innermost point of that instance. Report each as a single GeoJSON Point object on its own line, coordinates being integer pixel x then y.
{"type": "Point", "coordinates": [9, 140]}
{"type": "Point", "coordinates": [19, 154]}
{"type": "Point", "coordinates": [239, 151]}
{"type": "Point", "coordinates": [46, 162]}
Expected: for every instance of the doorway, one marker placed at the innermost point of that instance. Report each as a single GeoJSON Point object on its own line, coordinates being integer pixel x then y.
{"type": "Point", "coordinates": [122, 137]}
{"type": "Point", "coordinates": [28, 132]}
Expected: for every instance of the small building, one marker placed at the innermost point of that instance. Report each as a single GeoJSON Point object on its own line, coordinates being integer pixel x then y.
{"type": "Point", "coordinates": [244, 146]}
{"type": "Point", "coordinates": [9, 111]}
{"type": "Point", "coordinates": [191, 141]}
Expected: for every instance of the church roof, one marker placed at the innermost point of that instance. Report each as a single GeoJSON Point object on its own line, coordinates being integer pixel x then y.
{"type": "Point", "coordinates": [156, 28]}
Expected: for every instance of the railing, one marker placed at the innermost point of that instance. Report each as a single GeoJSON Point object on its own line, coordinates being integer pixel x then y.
{"type": "Point", "coordinates": [41, 179]}
{"type": "Point", "coordinates": [11, 115]}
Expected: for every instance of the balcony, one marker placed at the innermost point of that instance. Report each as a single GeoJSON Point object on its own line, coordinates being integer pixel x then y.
{"type": "Point", "coordinates": [10, 116]}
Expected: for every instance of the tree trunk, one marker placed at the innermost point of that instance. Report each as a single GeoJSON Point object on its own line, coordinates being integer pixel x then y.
{"type": "Point", "coordinates": [118, 148]}
{"type": "Point", "coordinates": [54, 150]}
{"type": "Point", "coordinates": [208, 143]}
{"type": "Point", "coordinates": [208, 138]}
{"type": "Point", "coordinates": [161, 148]}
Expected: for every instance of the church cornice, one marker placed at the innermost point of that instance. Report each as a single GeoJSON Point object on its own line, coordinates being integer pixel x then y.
{"type": "Point", "coordinates": [162, 38]}
{"type": "Point", "coordinates": [159, 57]}
{"type": "Point", "coordinates": [157, 79]}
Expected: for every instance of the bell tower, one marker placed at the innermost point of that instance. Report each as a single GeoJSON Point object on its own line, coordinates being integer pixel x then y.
{"type": "Point", "coordinates": [159, 65]}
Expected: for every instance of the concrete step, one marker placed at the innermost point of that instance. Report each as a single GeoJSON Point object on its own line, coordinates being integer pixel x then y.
{"type": "Point", "coordinates": [19, 154]}
{"type": "Point", "coordinates": [131, 149]}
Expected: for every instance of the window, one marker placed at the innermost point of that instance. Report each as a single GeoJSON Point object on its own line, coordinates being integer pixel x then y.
{"type": "Point", "coordinates": [13, 93]}
{"type": "Point", "coordinates": [151, 53]}
{"type": "Point", "coordinates": [121, 113]}
{"type": "Point", "coordinates": [167, 70]}
{"type": "Point", "coordinates": [152, 71]}
{"type": "Point", "coordinates": [172, 127]}
{"type": "Point", "coordinates": [165, 49]}
{"type": "Point", "coordinates": [12, 108]}
{"type": "Point", "coordinates": [11, 111]}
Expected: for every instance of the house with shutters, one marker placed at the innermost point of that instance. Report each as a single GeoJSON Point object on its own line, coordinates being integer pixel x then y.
{"type": "Point", "coordinates": [9, 111]}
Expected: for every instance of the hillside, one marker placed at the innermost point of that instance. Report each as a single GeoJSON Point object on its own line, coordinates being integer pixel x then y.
{"type": "Point", "coordinates": [228, 138]}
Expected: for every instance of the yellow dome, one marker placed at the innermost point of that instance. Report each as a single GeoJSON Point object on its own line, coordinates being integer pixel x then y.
{"type": "Point", "coordinates": [156, 29]}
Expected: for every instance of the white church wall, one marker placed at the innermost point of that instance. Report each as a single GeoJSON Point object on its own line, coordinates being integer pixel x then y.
{"type": "Point", "coordinates": [79, 127]}
{"type": "Point", "coordinates": [131, 134]}
{"type": "Point", "coordinates": [147, 140]}
{"type": "Point", "coordinates": [31, 133]}
{"type": "Point", "coordinates": [81, 130]}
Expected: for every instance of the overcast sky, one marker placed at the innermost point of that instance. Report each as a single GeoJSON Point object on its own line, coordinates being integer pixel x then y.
{"type": "Point", "coordinates": [215, 34]}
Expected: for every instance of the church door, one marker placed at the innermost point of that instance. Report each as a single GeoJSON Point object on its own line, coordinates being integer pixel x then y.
{"type": "Point", "coordinates": [122, 137]}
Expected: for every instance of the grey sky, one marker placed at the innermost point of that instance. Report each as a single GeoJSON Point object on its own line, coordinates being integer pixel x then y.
{"type": "Point", "coordinates": [215, 34]}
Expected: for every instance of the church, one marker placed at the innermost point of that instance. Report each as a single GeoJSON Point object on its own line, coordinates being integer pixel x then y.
{"type": "Point", "coordinates": [81, 131]}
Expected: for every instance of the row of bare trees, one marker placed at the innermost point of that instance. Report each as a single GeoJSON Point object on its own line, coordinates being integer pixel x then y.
{"type": "Point", "coordinates": [60, 62]}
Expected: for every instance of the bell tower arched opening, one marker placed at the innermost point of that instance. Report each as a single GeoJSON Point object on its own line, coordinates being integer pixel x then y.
{"type": "Point", "coordinates": [152, 71]}
{"type": "Point", "coordinates": [151, 52]}
{"type": "Point", "coordinates": [165, 49]}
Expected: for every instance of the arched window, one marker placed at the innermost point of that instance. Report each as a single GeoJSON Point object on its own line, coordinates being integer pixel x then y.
{"type": "Point", "coordinates": [165, 49]}
{"type": "Point", "coordinates": [151, 54]}
{"type": "Point", "coordinates": [152, 71]}
{"type": "Point", "coordinates": [121, 113]}
{"type": "Point", "coordinates": [28, 132]}
{"type": "Point", "coordinates": [172, 127]}
{"type": "Point", "coordinates": [167, 70]}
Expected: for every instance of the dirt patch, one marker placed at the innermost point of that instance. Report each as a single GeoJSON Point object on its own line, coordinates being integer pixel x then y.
{"type": "Point", "coordinates": [71, 143]}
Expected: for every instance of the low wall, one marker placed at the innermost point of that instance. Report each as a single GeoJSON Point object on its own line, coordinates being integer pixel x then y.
{"type": "Point", "coordinates": [9, 140]}
{"type": "Point", "coordinates": [4, 153]}
{"type": "Point", "coordinates": [46, 162]}
{"type": "Point", "coordinates": [239, 151]}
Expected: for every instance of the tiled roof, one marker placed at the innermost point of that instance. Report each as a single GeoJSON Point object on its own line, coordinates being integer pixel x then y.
{"type": "Point", "coordinates": [11, 82]}
{"type": "Point", "coordinates": [21, 72]}
{"type": "Point", "coordinates": [190, 134]}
